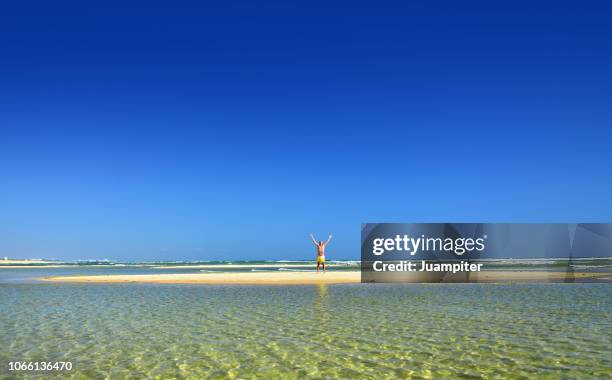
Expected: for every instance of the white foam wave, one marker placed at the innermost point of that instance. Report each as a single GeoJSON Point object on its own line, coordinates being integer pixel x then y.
{"type": "Point", "coordinates": [296, 270]}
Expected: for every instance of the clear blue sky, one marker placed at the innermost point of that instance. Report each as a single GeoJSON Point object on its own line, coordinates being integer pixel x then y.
{"type": "Point", "coordinates": [217, 132]}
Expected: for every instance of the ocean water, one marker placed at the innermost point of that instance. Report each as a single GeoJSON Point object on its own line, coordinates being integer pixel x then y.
{"type": "Point", "coordinates": [293, 332]}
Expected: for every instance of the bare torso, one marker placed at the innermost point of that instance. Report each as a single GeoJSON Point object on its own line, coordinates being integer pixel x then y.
{"type": "Point", "coordinates": [321, 249]}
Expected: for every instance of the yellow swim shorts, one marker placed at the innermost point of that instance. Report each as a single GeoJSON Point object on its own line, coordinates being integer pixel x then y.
{"type": "Point", "coordinates": [321, 259]}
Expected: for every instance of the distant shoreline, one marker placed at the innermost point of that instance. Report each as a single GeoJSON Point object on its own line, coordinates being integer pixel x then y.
{"type": "Point", "coordinates": [11, 262]}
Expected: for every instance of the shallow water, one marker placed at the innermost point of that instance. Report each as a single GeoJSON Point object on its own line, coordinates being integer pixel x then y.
{"type": "Point", "coordinates": [346, 331]}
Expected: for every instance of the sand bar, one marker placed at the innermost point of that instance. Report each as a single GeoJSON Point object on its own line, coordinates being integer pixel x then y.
{"type": "Point", "coordinates": [230, 266]}
{"type": "Point", "coordinates": [301, 278]}
{"type": "Point", "coordinates": [242, 278]}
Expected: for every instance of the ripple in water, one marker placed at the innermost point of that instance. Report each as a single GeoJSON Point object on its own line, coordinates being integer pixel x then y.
{"type": "Point", "coordinates": [344, 331]}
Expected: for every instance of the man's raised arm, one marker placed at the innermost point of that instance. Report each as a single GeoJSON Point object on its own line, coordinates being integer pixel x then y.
{"type": "Point", "coordinates": [328, 239]}
{"type": "Point", "coordinates": [314, 240]}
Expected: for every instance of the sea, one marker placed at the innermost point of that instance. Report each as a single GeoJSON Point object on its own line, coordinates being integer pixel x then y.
{"type": "Point", "coordinates": [370, 331]}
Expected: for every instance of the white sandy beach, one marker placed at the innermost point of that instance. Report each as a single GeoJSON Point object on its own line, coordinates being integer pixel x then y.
{"type": "Point", "coordinates": [230, 266]}
{"type": "Point", "coordinates": [241, 278]}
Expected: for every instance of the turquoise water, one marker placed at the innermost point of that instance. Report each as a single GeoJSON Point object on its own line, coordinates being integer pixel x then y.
{"type": "Point", "coordinates": [338, 331]}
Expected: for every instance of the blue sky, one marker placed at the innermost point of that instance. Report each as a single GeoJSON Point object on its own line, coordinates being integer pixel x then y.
{"type": "Point", "coordinates": [214, 132]}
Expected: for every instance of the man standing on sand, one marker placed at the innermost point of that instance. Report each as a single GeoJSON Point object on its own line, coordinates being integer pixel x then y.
{"type": "Point", "coordinates": [320, 250]}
